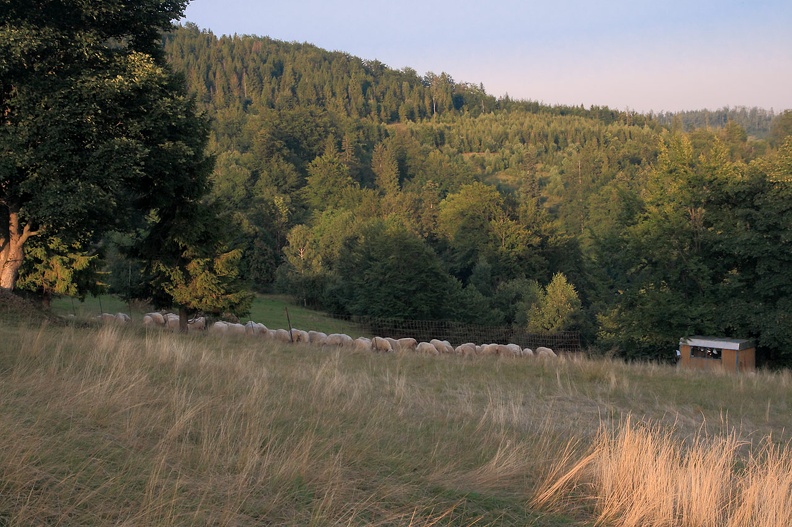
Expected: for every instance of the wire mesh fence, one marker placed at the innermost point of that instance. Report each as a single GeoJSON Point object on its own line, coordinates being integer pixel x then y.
{"type": "Point", "coordinates": [459, 333]}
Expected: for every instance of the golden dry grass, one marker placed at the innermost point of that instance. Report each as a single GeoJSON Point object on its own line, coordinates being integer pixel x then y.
{"type": "Point", "coordinates": [115, 426]}
{"type": "Point", "coordinates": [637, 475]}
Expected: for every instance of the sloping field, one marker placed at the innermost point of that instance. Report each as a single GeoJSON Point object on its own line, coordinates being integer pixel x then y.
{"type": "Point", "coordinates": [269, 310]}
{"type": "Point", "coordinates": [114, 426]}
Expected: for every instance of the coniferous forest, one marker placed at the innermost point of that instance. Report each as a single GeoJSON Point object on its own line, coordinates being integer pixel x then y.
{"type": "Point", "coordinates": [364, 190]}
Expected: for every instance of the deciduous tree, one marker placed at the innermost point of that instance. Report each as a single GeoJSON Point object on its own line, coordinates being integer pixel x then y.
{"type": "Point", "coordinates": [94, 127]}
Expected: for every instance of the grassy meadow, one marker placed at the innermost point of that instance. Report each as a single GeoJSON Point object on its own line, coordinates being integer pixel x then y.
{"type": "Point", "coordinates": [269, 310]}
{"type": "Point", "coordinates": [118, 426]}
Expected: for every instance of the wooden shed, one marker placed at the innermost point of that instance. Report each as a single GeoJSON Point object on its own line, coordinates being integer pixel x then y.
{"type": "Point", "coordinates": [714, 353]}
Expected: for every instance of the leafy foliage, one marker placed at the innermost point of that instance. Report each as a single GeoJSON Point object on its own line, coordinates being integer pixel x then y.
{"type": "Point", "coordinates": [389, 272]}
{"type": "Point", "coordinates": [557, 307]}
{"type": "Point", "coordinates": [656, 223]}
{"type": "Point", "coordinates": [99, 135]}
{"type": "Point", "coordinates": [54, 268]}
{"type": "Point", "coordinates": [91, 121]}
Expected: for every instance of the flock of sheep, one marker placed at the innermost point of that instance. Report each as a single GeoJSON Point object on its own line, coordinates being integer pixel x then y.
{"type": "Point", "coordinates": [317, 338]}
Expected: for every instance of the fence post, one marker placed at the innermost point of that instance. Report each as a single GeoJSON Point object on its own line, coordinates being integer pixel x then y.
{"type": "Point", "coordinates": [288, 319]}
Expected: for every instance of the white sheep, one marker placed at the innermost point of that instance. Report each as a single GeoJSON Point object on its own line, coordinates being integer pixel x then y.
{"type": "Point", "coordinates": [541, 351]}
{"type": "Point", "coordinates": [427, 348]}
{"type": "Point", "coordinates": [171, 320]}
{"type": "Point", "coordinates": [317, 337]}
{"type": "Point", "coordinates": [251, 328]}
{"type": "Point", "coordinates": [106, 318]}
{"type": "Point", "coordinates": [489, 349]}
{"type": "Point", "coordinates": [282, 335]}
{"type": "Point", "coordinates": [218, 328]}
{"type": "Point", "coordinates": [235, 329]}
{"type": "Point", "coordinates": [301, 336]}
{"type": "Point", "coordinates": [153, 319]}
{"type": "Point", "coordinates": [122, 318]}
{"type": "Point", "coordinates": [513, 350]}
{"type": "Point", "coordinates": [382, 345]}
{"type": "Point", "coordinates": [339, 339]}
{"type": "Point", "coordinates": [407, 344]}
{"type": "Point", "coordinates": [466, 349]}
{"type": "Point", "coordinates": [196, 324]}
{"type": "Point", "coordinates": [527, 352]}
{"type": "Point", "coordinates": [442, 346]}
{"type": "Point", "coordinates": [363, 344]}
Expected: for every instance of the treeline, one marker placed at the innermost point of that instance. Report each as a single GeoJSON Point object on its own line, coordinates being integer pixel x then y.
{"type": "Point", "coordinates": [756, 122]}
{"type": "Point", "coordinates": [366, 190]}
{"type": "Point", "coordinates": [250, 74]}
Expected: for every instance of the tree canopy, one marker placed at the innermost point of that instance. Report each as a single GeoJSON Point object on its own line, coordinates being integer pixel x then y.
{"type": "Point", "coordinates": [98, 135]}
{"type": "Point", "coordinates": [95, 126]}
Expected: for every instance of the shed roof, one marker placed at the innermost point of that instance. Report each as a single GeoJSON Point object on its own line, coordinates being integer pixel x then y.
{"type": "Point", "coordinates": [717, 342]}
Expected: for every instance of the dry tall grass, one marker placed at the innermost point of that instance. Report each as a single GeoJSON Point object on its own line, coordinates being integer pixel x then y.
{"type": "Point", "coordinates": [110, 427]}
{"type": "Point", "coordinates": [635, 475]}
{"type": "Point", "coordinates": [114, 426]}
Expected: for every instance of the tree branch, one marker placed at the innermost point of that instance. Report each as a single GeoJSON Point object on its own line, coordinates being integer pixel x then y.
{"type": "Point", "coordinates": [27, 232]}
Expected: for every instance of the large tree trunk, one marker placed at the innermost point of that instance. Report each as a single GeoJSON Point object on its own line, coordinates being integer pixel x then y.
{"type": "Point", "coordinates": [12, 250]}
{"type": "Point", "coordinates": [183, 314]}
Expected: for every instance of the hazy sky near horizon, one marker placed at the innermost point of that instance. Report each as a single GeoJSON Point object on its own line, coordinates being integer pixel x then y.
{"type": "Point", "coordinates": [673, 55]}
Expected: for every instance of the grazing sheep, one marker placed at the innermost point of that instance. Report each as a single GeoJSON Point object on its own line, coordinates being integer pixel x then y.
{"type": "Point", "coordinates": [363, 344]}
{"type": "Point", "coordinates": [347, 340]}
{"type": "Point", "coordinates": [541, 351]}
{"type": "Point", "coordinates": [301, 336]}
{"type": "Point", "coordinates": [106, 318]}
{"type": "Point", "coordinates": [407, 344]}
{"type": "Point", "coordinates": [489, 349]}
{"type": "Point", "coordinates": [282, 335]}
{"type": "Point", "coordinates": [427, 348]}
{"type": "Point", "coordinates": [171, 321]}
{"type": "Point", "coordinates": [122, 318]}
{"type": "Point", "coordinates": [235, 329]}
{"type": "Point", "coordinates": [442, 346]}
{"type": "Point", "coordinates": [382, 345]}
{"type": "Point", "coordinates": [513, 350]}
{"type": "Point", "coordinates": [218, 328]}
{"type": "Point", "coordinates": [394, 344]}
{"type": "Point", "coordinates": [527, 352]}
{"type": "Point", "coordinates": [466, 349]}
{"type": "Point", "coordinates": [339, 339]}
{"type": "Point", "coordinates": [251, 328]}
{"type": "Point", "coordinates": [317, 337]}
{"type": "Point", "coordinates": [196, 324]}
{"type": "Point", "coordinates": [156, 319]}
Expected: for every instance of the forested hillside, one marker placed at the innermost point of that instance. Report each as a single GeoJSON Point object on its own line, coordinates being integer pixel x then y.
{"type": "Point", "coordinates": [756, 122]}
{"type": "Point", "coordinates": [366, 190]}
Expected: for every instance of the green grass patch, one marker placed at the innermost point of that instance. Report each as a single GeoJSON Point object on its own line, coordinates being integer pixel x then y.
{"type": "Point", "coordinates": [96, 305]}
{"type": "Point", "coordinates": [269, 310]}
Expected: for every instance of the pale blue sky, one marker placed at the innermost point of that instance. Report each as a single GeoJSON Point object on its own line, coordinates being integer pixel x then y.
{"type": "Point", "coordinates": [671, 55]}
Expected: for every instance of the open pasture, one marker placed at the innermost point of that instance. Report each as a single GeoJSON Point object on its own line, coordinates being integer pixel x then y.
{"type": "Point", "coordinates": [118, 426]}
{"type": "Point", "coordinates": [269, 310]}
